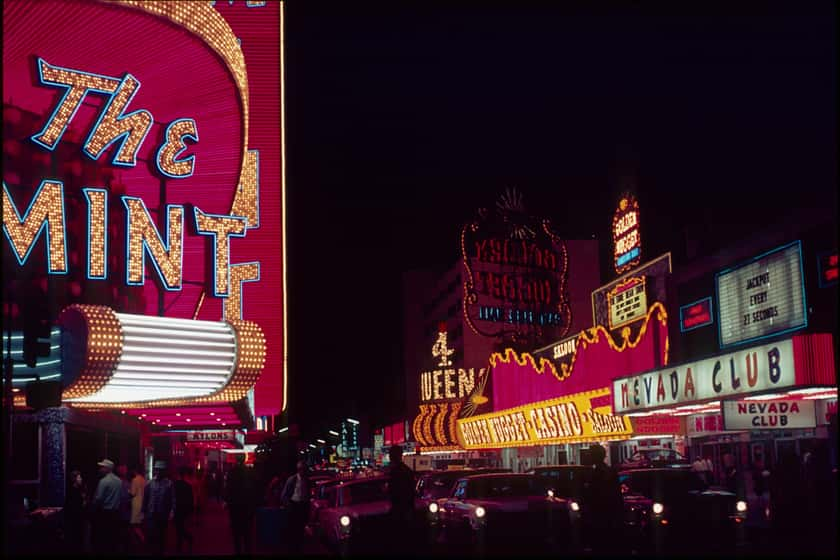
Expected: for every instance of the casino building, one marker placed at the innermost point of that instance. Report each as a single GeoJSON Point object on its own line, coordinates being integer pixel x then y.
{"type": "Point", "coordinates": [143, 219]}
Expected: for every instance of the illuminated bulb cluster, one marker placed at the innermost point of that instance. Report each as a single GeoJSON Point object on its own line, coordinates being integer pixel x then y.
{"type": "Point", "coordinates": [246, 272]}
{"type": "Point", "coordinates": [455, 409]}
{"type": "Point", "coordinates": [97, 232]}
{"type": "Point", "coordinates": [47, 206]}
{"type": "Point", "coordinates": [113, 124]}
{"type": "Point", "coordinates": [103, 349]}
{"type": "Point", "coordinates": [245, 203]}
{"type": "Point", "coordinates": [142, 233]}
{"type": "Point", "coordinates": [221, 227]}
{"type": "Point", "coordinates": [79, 83]}
{"type": "Point", "coordinates": [250, 359]}
{"type": "Point", "coordinates": [564, 308]}
{"type": "Point", "coordinates": [201, 19]}
{"type": "Point", "coordinates": [441, 350]}
{"type": "Point", "coordinates": [427, 424]}
{"type": "Point", "coordinates": [174, 145]}
{"type": "Point", "coordinates": [440, 416]}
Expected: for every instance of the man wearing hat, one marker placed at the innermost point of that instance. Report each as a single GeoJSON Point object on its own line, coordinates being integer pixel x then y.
{"type": "Point", "coordinates": [158, 508]}
{"type": "Point", "coordinates": [106, 508]}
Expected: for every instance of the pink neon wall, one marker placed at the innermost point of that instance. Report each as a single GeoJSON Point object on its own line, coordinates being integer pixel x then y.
{"type": "Point", "coordinates": [180, 78]}
{"type": "Point", "coordinates": [595, 368]}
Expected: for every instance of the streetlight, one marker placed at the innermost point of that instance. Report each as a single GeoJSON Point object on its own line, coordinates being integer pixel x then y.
{"type": "Point", "coordinates": [284, 429]}
{"type": "Point", "coordinates": [334, 433]}
{"type": "Point", "coordinates": [321, 441]}
{"type": "Point", "coordinates": [352, 421]}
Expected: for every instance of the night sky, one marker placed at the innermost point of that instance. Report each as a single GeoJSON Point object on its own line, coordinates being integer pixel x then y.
{"type": "Point", "coordinates": [403, 121]}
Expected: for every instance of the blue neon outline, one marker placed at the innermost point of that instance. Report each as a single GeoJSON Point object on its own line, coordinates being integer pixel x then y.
{"type": "Point", "coordinates": [179, 152]}
{"type": "Point", "coordinates": [196, 211]}
{"type": "Point", "coordinates": [248, 4]}
{"type": "Point", "coordinates": [798, 244]}
{"type": "Point", "coordinates": [242, 292]}
{"type": "Point", "coordinates": [123, 135]}
{"type": "Point", "coordinates": [146, 249]}
{"type": "Point", "coordinates": [628, 256]}
{"type": "Point", "coordinates": [105, 270]}
{"type": "Point", "coordinates": [711, 314]}
{"type": "Point", "coordinates": [44, 82]}
{"type": "Point", "coordinates": [22, 261]}
{"type": "Point", "coordinates": [820, 269]}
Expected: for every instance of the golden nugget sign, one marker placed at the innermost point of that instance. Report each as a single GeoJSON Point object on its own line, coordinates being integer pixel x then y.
{"type": "Point", "coordinates": [627, 241]}
{"type": "Point", "coordinates": [569, 419]}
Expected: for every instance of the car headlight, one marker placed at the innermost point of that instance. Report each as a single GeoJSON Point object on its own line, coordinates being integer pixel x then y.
{"type": "Point", "coordinates": [479, 512]}
{"type": "Point", "coordinates": [740, 506]}
{"type": "Point", "coordinates": [550, 493]}
{"type": "Point", "coordinates": [344, 520]}
{"type": "Point", "coordinates": [574, 506]}
{"type": "Point", "coordinates": [433, 507]}
{"type": "Point", "coordinates": [658, 508]}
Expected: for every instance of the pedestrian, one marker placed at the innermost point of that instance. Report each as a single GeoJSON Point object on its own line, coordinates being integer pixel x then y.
{"type": "Point", "coordinates": [106, 509]}
{"type": "Point", "coordinates": [401, 495]}
{"type": "Point", "coordinates": [602, 505]}
{"type": "Point", "coordinates": [138, 486]}
{"type": "Point", "coordinates": [274, 493]}
{"type": "Point", "coordinates": [75, 506]}
{"type": "Point", "coordinates": [184, 506]}
{"type": "Point", "coordinates": [710, 469]}
{"type": "Point", "coordinates": [701, 467]}
{"type": "Point", "coordinates": [296, 499]}
{"type": "Point", "coordinates": [240, 492]}
{"type": "Point", "coordinates": [730, 475]}
{"type": "Point", "coordinates": [158, 504]}
{"type": "Point", "coordinates": [123, 535]}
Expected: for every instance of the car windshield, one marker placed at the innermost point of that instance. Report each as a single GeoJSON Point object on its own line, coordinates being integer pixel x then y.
{"type": "Point", "coordinates": [505, 486]}
{"type": "Point", "coordinates": [663, 485]}
{"type": "Point", "coordinates": [564, 482]}
{"type": "Point", "coordinates": [364, 493]}
{"type": "Point", "coordinates": [439, 485]}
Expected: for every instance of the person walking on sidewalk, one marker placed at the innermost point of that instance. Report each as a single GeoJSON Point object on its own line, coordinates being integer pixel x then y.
{"type": "Point", "coordinates": [138, 486]}
{"type": "Point", "coordinates": [296, 499]}
{"type": "Point", "coordinates": [106, 509]}
{"type": "Point", "coordinates": [158, 503]}
{"type": "Point", "coordinates": [240, 498]}
{"type": "Point", "coordinates": [184, 502]}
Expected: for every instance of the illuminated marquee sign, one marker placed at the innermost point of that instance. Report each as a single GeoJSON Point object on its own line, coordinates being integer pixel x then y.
{"type": "Point", "coordinates": [627, 302]}
{"type": "Point", "coordinates": [124, 163]}
{"type": "Point", "coordinates": [447, 384]}
{"type": "Point", "coordinates": [215, 435]}
{"type": "Point", "coordinates": [768, 415]}
{"type": "Point", "coordinates": [515, 273]}
{"type": "Point", "coordinates": [569, 419]}
{"type": "Point", "coordinates": [756, 369]}
{"type": "Point", "coordinates": [696, 315]}
{"type": "Point", "coordinates": [763, 297]}
{"type": "Point", "coordinates": [627, 241]}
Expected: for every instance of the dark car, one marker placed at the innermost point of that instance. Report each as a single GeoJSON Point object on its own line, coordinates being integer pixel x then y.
{"type": "Point", "coordinates": [494, 512]}
{"type": "Point", "coordinates": [433, 485]}
{"type": "Point", "coordinates": [566, 481]}
{"type": "Point", "coordinates": [655, 458]}
{"type": "Point", "coordinates": [667, 509]}
{"type": "Point", "coordinates": [354, 515]}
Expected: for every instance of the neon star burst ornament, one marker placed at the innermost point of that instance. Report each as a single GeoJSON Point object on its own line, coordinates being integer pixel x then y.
{"type": "Point", "coordinates": [440, 347]}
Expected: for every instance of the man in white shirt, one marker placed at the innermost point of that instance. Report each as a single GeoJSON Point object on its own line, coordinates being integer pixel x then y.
{"type": "Point", "coordinates": [106, 509]}
{"type": "Point", "coordinates": [296, 498]}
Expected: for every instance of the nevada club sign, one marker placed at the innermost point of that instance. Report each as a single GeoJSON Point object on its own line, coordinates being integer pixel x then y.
{"type": "Point", "coordinates": [760, 368]}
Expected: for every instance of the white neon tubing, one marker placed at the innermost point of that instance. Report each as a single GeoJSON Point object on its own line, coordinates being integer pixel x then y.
{"type": "Point", "coordinates": [184, 361]}
{"type": "Point", "coordinates": [176, 333]}
{"type": "Point", "coordinates": [164, 377]}
{"type": "Point", "coordinates": [125, 368]}
{"type": "Point", "coordinates": [180, 324]}
{"type": "Point", "coordinates": [139, 340]}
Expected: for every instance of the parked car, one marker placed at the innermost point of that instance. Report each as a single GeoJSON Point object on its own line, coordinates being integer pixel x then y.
{"type": "Point", "coordinates": [564, 480]}
{"type": "Point", "coordinates": [655, 458]}
{"type": "Point", "coordinates": [433, 485]}
{"type": "Point", "coordinates": [666, 508]}
{"type": "Point", "coordinates": [354, 516]}
{"type": "Point", "coordinates": [497, 511]}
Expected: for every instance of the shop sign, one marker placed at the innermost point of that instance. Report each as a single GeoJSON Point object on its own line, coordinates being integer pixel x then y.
{"type": "Point", "coordinates": [626, 236]}
{"type": "Point", "coordinates": [768, 415]}
{"type": "Point", "coordinates": [447, 384]}
{"type": "Point", "coordinates": [657, 424]}
{"type": "Point", "coordinates": [213, 435]}
{"type": "Point", "coordinates": [702, 424]}
{"type": "Point", "coordinates": [762, 297]}
{"type": "Point", "coordinates": [568, 419]}
{"type": "Point", "coordinates": [828, 268]}
{"type": "Point", "coordinates": [826, 408]}
{"type": "Point", "coordinates": [627, 302]}
{"type": "Point", "coordinates": [760, 368]}
{"type": "Point", "coordinates": [696, 315]}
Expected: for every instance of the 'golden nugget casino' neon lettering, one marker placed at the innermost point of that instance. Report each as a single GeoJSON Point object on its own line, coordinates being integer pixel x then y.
{"type": "Point", "coordinates": [46, 210]}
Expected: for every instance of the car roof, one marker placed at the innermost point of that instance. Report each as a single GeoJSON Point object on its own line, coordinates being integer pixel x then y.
{"type": "Point", "coordinates": [499, 475]}
{"type": "Point", "coordinates": [555, 467]}
{"type": "Point", "coordinates": [655, 470]}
